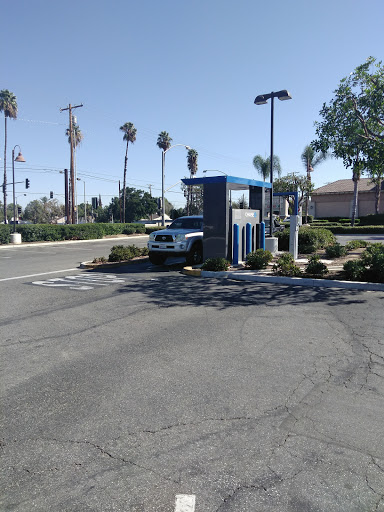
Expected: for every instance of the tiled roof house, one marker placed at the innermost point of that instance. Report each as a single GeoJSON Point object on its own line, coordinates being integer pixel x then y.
{"type": "Point", "coordinates": [336, 199]}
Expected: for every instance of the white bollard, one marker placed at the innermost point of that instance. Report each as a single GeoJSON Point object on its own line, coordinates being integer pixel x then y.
{"type": "Point", "coordinates": [15, 238]}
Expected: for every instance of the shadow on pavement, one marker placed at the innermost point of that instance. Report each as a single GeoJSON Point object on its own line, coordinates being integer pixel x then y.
{"type": "Point", "coordinates": [166, 287]}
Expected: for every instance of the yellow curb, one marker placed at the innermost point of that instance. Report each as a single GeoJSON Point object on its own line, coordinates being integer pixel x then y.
{"type": "Point", "coordinates": [189, 271]}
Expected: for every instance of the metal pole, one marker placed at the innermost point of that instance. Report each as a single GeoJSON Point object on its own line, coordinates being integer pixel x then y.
{"type": "Point", "coordinates": [85, 206]}
{"type": "Point", "coordinates": [271, 191]}
{"type": "Point", "coordinates": [162, 189]}
{"type": "Point", "coordinates": [13, 176]}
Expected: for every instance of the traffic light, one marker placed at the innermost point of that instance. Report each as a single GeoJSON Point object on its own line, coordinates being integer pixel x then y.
{"type": "Point", "coordinates": [26, 183]}
{"type": "Point", "coordinates": [51, 195]}
{"type": "Point", "coordinates": [95, 203]}
{"type": "Point", "coordinates": [19, 210]}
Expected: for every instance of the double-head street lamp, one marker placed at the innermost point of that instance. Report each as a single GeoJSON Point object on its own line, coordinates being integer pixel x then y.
{"type": "Point", "coordinates": [261, 100]}
{"type": "Point", "coordinates": [19, 158]}
{"type": "Point", "coordinates": [162, 180]}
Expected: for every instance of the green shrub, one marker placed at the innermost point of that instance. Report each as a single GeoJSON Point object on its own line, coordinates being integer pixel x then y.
{"type": "Point", "coordinates": [258, 259]}
{"type": "Point", "coordinates": [372, 220]}
{"type": "Point", "coordinates": [5, 234]}
{"type": "Point", "coordinates": [356, 244]}
{"type": "Point", "coordinates": [124, 252]}
{"type": "Point", "coordinates": [335, 251]}
{"type": "Point", "coordinates": [310, 239]}
{"type": "Point", "coordinates": [285, 266]}
{"type": "Point", "coordinates": [370, 266]}
{"type": "Point", "coordinates": [354, 270]}
{"type": "Point", "coordinates": [102, 259]}
{"type": "Point", "coordinates": [371, 251]}
{"type": "Point", "coordinates": [149, 230]}
{"type": "Point", "coordinates": [315, 267]}
{"type": "Point", "coordinates": [216, 264]}
{"type": "Point", "coordinates": [356, 230]}
{"type": "Point", "coordinates": [129, 230]}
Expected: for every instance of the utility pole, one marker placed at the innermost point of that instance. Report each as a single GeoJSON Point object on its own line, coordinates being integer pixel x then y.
{"type": "Point", "coordinates": [72, 169]}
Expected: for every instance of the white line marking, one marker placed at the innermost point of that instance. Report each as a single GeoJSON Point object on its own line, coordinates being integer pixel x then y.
{"type": "Point", "coordinates": [41, 274]}
{"type": "Point", "coordinates": [185, 503]}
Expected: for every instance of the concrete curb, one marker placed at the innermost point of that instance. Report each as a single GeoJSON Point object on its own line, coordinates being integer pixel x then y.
{"type": "Point", "coordinates": [189, 271]}
{"type": "Point", "coordinates": [90, 265]}
{"type": "Point", "coordinates": [292, 281]}
{"type": "Point", "coordinates": [63, 242]}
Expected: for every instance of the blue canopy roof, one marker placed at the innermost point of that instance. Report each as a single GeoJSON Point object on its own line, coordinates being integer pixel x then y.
{"type": "Point", "coordinates": [234, 183]}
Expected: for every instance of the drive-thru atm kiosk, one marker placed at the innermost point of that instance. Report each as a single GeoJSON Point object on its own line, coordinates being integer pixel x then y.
{"type": "Point", "coordinates": [231, 233]}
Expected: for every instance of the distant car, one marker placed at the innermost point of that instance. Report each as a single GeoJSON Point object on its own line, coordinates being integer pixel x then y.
{"type": "Point", "coordinates": [184, 237]}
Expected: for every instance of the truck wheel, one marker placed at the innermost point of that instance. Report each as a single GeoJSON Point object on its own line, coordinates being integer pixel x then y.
{"type": "Point", "coordinates": [157, 259]}
{"type": "Point", "coordinates": [195, 255]}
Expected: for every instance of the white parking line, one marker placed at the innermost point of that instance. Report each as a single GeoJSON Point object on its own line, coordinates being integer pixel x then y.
{"type": "Point", "coordinates": [185, 503]}
{"type": "Point", "coordinates": [41, 274]}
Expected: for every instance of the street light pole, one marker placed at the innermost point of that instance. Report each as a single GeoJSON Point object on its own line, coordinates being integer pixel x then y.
{"type": "Point", "coordinates": [163, 179]}
{"type": "Point", "coordinates": [261, 100]}
{"type": "Point", "coordinates": [19, 158]}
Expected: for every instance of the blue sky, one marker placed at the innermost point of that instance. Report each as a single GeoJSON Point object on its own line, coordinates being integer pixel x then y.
{"type": "Point", "coordinates": [191, 68]}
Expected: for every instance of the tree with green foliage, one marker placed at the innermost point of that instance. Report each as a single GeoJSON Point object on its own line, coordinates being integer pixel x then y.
{"type": "Point", "coordinates": [263, 166]}
{"type": "Point", "coordinates": [352, 125]}
{"type": "Point", "coordinates": [192, 161]}
{"type": "Point", "coordinates": [311, 159]}
{"type": "Point", "coordinates": [195, 205]}
{"type": "Point", "coordinates": [129, 136]}
{"type": "Point", "coordinates": [241, 203]}
{"type": "Point", "coordinates": [164, 141]}
{"type": "Point", "coordinates": [139, 205]}
{"type": "Point", "coordinates": [44, 211]}
{"type": "Point", "coordinates": [192, 166]}
{"type": "Point", "coordinates": [294, 183]}
{"type": "Point", "coordinates": [8, 105]}
{"type": "Point", "coordinates": [175, 213]}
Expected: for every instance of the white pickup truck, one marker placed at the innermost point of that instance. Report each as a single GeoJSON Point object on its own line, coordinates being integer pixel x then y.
{"type": "Point", "coordinates": [184, 237]}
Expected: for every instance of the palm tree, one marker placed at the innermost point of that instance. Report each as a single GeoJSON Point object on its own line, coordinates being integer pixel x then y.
{"type": "Point", "coordinates": [164, 141]}
{"type": "Point", "coordinates": [192, 161]}
{"type": "Point", "coordinates": [77, 139]}
{"type": "Point", "coordinates": [130, 136]}
{"type": "Point", "coordinates": [311, 159]}
{"type": "Point", "coordinates": [263, 165]}
{"type": "Point", "coordinates": [8, 105]}
{"type": "Point", "coordinates": [192, 166]}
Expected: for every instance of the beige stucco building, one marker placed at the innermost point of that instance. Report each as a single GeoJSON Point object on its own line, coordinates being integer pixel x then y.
{"type": "Point", "coordinates": [336, 199]}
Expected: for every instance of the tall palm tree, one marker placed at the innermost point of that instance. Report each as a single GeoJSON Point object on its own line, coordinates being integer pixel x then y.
{"type": "Point", "coordinates": [130, 136]}
{"type": "Point", "coordinates": [263, 165]}
{"type": "Point", "coordinates": [8, 105]}
{"type": "Point", "coordinates": [192, 166]}
{"type": "Point", "coordinates": [77, 139]}
{"type": "Point", "coordinates": [164, 141]}
{"type": "Point", "coordinates": [311, 159]}
{"type": "Point", "coordinates": [192, 161]}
